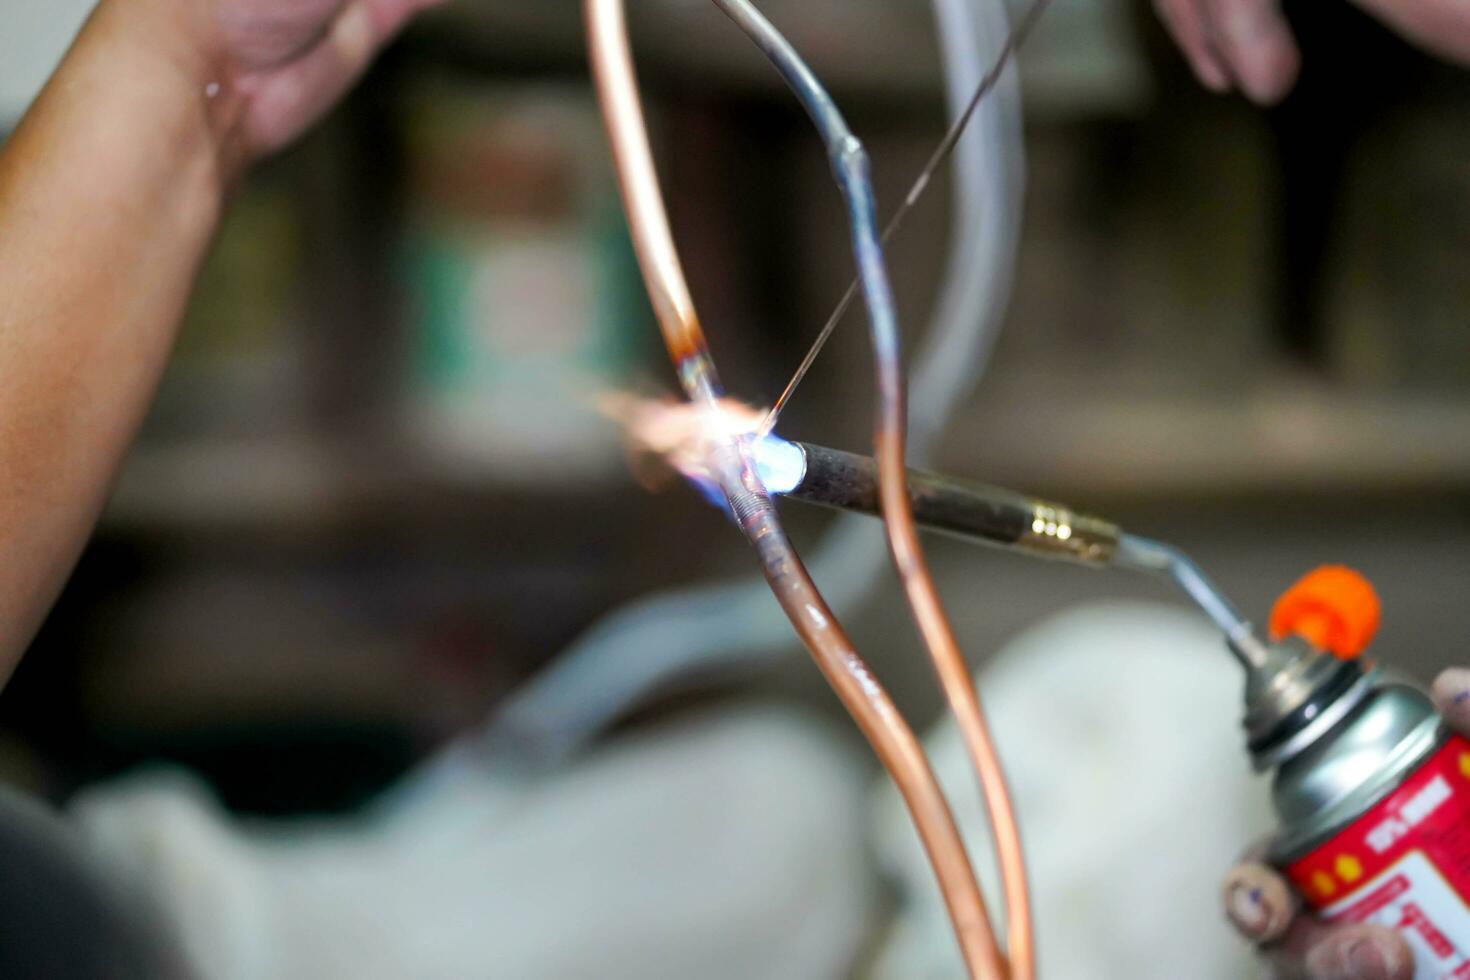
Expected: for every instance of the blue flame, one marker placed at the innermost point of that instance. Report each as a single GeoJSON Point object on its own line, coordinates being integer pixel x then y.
{"type": "Point", "coordinates": [779, 464]}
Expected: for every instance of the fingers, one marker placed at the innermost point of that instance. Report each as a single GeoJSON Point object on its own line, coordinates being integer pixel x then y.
{"type": "Point", "coordinates": [287, 99]}
{"type": "Point", "coordinates": [1439, 26]}
{"type": "Point", "coordinates": [1360, 952]}
{"type": "Point", "coordinates": [1315, 950]}
{"type": "Point", "coordinates": [1186, 22]}
{"type": "Point", "coordinates": [1258, 902]}
{"type": "Point", "coordinates": [1235, 43]}
{"type": "Point", "coordinates": [389, 16]}
{"type": "Point", "coordinates": [1256, 42]}
{"type": "Point", "coordinates": [1451, 695]}
{"type": "Point", "coordinates": [1262, 907]}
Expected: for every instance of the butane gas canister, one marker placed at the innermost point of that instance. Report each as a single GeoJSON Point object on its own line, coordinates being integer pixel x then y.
{"type": "Point", "coordinates": [1371, 790]}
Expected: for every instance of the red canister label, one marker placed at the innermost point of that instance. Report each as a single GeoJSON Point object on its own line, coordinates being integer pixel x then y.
{"type": "Point", "coordinates": [1406, 864]}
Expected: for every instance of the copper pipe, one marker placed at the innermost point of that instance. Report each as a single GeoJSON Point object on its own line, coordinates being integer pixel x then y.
{"type": "Point", "coordinates": [916, 190]}
{"type": "Point", "coordinates": [622, 112]}
{"type": "Point", "coordinates": [959, 689]}
{"type": "Point", "coordinates": [955, 678]}
{"type": "Point", "coordinates": [865, 699]}
{"type": "Point", "coordinates": [850, 166]}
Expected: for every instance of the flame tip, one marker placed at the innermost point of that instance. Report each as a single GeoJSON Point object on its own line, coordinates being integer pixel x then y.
{"type": "Point", "coordinates": [684, 433]}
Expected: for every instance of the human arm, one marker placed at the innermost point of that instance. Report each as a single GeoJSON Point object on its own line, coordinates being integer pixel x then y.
{"type": "Point", "coordinates": [111, 189]}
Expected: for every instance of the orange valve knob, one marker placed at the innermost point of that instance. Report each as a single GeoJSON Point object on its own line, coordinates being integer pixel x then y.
{"type": "Point", "coordinates": [1333, 608]}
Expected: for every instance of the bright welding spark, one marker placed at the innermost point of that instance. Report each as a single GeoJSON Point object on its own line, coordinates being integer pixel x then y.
{"type": "Point", "coordinates": [686, 435]}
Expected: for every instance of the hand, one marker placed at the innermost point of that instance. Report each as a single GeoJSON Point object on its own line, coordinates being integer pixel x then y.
{"type": "Point", "coordinates": [292, 59]}
{"type": "Point", "coordinates": [1264, 908]}
{"type": "Point", "coordinates": [277, 65]}
{"type": "Point", "coordinates": [1248, 44]}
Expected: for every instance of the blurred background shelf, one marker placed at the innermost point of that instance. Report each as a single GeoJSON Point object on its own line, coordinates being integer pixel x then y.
{"type": "Point", "coordinates": [367, 500]}
{"type": "Point", "coordinates": [1085, 58]}
{"type": "Point", "coordinates": [321, 492]}
{"type": "Point", "coordinates": [1280, 439]}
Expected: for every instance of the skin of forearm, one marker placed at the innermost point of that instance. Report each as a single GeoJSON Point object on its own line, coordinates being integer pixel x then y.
{"type": "Point", "coordinates": [110, 191]}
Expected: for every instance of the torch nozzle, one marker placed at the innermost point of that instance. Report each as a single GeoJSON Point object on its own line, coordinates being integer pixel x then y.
{"type": "Point", "coordinates": [1015, 521]}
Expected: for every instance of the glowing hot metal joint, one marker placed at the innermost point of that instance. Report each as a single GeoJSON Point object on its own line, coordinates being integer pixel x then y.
{"type": "Point", "coordinates": [688, 434]}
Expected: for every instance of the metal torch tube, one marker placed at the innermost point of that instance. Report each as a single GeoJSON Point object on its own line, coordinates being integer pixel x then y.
{"type": "Point", "coordinates": [1011, 520]}
{"type": "Point", "coordinates": [973, 511]}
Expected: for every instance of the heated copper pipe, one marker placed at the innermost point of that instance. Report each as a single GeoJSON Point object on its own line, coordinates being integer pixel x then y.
{"type": "Point", "coordinates": [865, 699]}
{"type": "Point", "coordinates": [851, 168]}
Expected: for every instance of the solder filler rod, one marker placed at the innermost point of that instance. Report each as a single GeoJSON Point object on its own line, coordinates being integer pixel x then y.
{"type": "Point", "coordinates": [1008, 519]}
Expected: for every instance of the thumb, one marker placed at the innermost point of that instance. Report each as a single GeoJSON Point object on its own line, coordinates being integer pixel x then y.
{"type": "Point", "coordinates": [1451, 695]}
{"type": "Point", "coordinates": [1360, 952]}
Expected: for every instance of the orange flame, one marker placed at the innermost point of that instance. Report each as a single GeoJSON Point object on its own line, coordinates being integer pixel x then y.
{"type": "Point", "coordinates": [678, 432]}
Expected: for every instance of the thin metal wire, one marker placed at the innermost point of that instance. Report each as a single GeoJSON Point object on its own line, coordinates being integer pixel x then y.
{"type": "Point", "coordinates": [869, 704]}
{"type": "Point", "coordinates": [1148, 555]}
{"type": "Point", "coordinates": [946, 146]}
{"type": "Point", "coordinates": [850, 166]}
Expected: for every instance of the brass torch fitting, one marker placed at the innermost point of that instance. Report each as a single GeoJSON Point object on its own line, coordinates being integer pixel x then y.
{"type": "Point", "coordinates": [1059, 532]}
